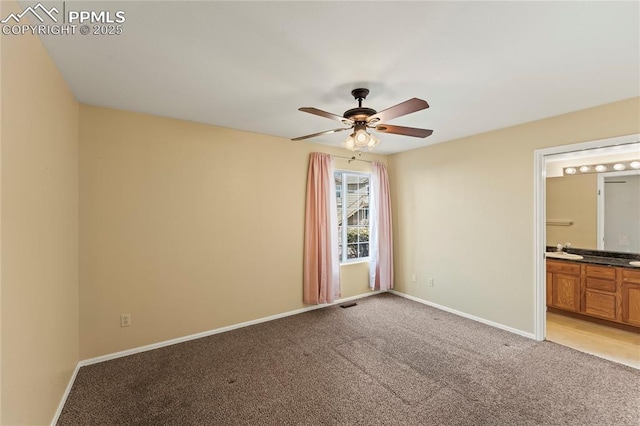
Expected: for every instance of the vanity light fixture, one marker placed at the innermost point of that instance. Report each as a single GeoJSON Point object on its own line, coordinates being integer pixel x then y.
{"type": "Point", "coordinates": [601, 168]}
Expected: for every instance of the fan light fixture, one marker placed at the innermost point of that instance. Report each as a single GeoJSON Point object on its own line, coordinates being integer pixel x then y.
{"type": "Point", "coordinates": [602, 167]}
{"type": "Point", "coordinates": [361, 139]}
{"type": "Point", "coordinates": [362, 118]}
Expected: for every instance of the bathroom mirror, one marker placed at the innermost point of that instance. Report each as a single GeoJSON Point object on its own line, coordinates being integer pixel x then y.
{"type": "Point", "coordinates": [597, 211]}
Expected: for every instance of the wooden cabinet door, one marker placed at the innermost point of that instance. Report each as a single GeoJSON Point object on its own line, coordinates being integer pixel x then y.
{"type": "Point", "coordinates": [565, 292]}
{"type": "Point", "coordinates": [631, 303]}
{"type": "Point", "coordinates": [600, 304]}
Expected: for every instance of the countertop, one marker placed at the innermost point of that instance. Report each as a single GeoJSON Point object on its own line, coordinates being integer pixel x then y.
{"type": "Point", "coordinates": [596, 257]}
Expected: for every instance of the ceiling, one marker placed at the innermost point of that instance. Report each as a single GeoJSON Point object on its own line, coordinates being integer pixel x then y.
{"type": "Point", "coordinates": [251, 65]}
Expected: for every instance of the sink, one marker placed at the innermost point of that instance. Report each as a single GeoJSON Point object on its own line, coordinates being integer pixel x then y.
{"type": "Point", "coordinates": [635, 263]}
{"type": "Point", "coordinates": [564, 255]}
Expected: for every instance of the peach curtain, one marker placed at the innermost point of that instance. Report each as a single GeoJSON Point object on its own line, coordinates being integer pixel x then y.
{"type": "Point", "coordinates": [321, 263]}
{"type": "Point", "coordinates": [381, 238]}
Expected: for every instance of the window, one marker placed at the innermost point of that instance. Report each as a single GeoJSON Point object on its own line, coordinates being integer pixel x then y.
{"type": "Point", "coordinates": [352, 196]}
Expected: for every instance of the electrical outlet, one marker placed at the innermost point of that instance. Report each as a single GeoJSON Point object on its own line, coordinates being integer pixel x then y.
{"type": "Point", "coordinates": [125, 320]}
{"type": "Point", "coordinates": [431, 282]}
{"type": "Point", "coordinates": [414, 278]}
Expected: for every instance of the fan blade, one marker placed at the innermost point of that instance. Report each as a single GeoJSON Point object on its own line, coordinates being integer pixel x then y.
{"type": "Point", "coordinates": [325, 114]}
{"type": "Point", "coordinates": [405, 131]}
{"type": "Point", "coordinates": [404, 108]}
{"type": "Point", "coordinates": [320, 133]}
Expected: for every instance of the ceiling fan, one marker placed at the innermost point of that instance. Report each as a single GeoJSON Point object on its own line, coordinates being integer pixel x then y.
{"type": "Point", "coordinates": [361, 118]}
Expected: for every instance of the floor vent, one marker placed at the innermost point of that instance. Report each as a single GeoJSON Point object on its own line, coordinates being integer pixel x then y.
{"type": "Point", "coordinates": [348, 305]}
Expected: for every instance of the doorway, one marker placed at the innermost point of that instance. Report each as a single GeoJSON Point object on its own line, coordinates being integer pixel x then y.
{"type": "Point", "coordinates": [541, 157]}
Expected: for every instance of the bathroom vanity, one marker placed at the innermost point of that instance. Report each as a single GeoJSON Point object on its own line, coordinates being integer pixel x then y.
{"type": "Point", "coordinates": [604, 286]}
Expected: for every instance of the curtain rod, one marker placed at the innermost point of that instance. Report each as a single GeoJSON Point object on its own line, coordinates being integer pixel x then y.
{"type": "Point", "coordinates": [353, 158]}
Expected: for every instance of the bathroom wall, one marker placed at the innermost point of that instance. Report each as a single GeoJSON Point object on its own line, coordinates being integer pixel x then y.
{"type": "Point", "coordinates": [575, 199]}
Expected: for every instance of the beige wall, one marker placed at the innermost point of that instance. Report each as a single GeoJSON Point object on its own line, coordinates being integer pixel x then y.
{"type": "Point", "coordinates": [187, 227]}
{"type": "Point", "coordinates": [573, 198]}
{"type": "Point", "coordinates": [463, 212]}
{"type": "Point", "coordinates": [39, 211]}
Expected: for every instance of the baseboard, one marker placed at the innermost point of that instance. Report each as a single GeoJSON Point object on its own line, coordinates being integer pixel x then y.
{"type": "Point", "coordinates": [193, 337]}
{"type": "Point", "coordinates": [465, 315]}
{"type": "Point", "coordinates": [65, 395]}
{"type": "Point", "coordinates": [207, 333]}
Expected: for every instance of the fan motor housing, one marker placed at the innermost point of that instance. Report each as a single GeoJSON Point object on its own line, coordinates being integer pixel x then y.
{"type": "Point", "coordinates": [359, 114]}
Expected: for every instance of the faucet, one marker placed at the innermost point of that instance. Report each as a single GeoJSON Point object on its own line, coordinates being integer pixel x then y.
{"type": "Point", "coordinates": [559, 248]}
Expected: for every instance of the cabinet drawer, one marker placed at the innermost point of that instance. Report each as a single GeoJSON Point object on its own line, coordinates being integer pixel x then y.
{"type": "Point", "coordinates": [600, 304]}
{"type": "Point", "coordinates": [563, 267]}
{"type": "Point", "coordinates": [601, 272]}
{"type": "Point", "coordinates": [630, 276]}
{"type": "Point", "coordinates": [599, 284]}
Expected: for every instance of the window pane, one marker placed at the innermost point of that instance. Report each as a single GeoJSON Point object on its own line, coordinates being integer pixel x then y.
{"type": "Point", "coordinates": [352, 251]}
{"type": "Point", "coordinates": [352, 196]}
{"type": "Point", "coordinates": [364, 235]}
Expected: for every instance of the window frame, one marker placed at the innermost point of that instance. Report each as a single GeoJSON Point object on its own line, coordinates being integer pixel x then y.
{"type": "Point", "coordinates": [343, 234]}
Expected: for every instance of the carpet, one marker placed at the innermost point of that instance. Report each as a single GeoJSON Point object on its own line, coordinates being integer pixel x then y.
{"type": "Point", "coordinates": [386, 361]}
